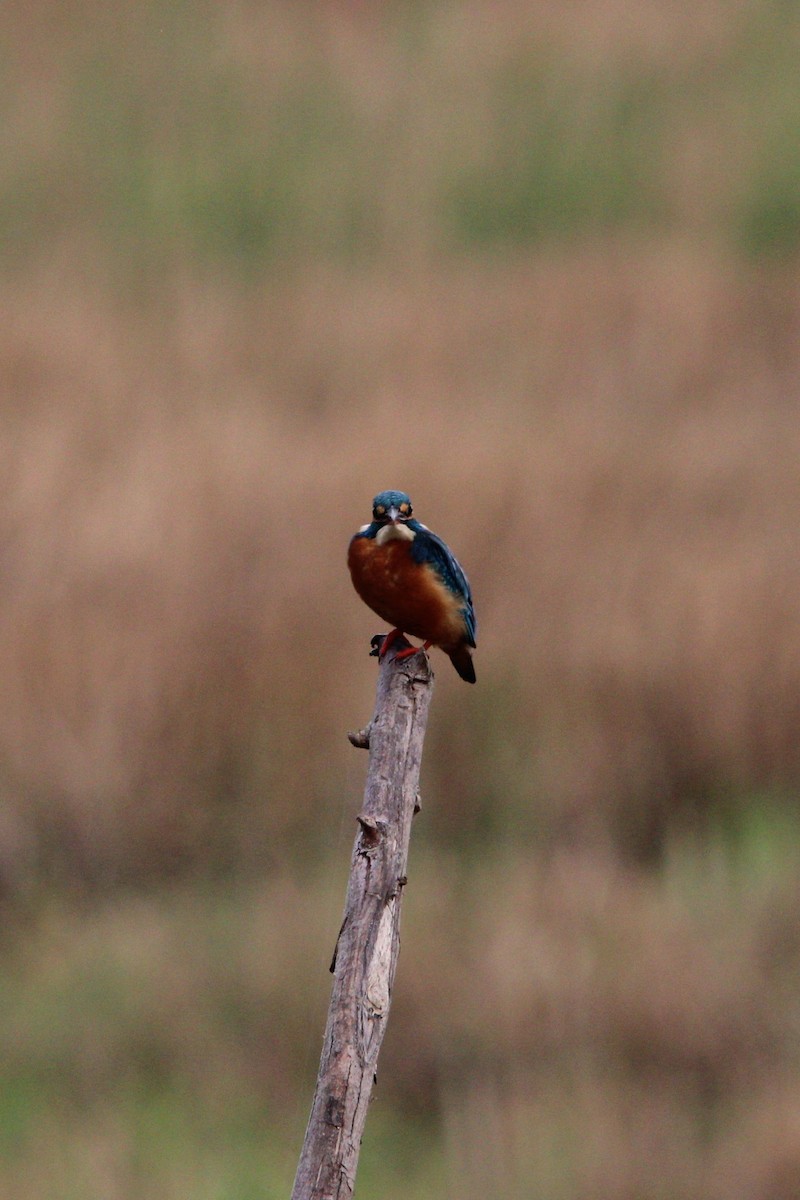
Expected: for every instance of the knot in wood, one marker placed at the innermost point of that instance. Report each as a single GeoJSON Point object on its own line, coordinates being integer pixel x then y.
{"type": "Point", "coordinates": [334, 1112]}
{"type": "Point", "coordinates": [371, 831]}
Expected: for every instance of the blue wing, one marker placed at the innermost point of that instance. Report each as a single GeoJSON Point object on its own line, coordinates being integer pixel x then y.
{"type": "Point", "coordinates": [428, 548]}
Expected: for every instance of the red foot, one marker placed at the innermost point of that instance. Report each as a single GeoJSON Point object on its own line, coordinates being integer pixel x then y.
{"type": "Point", "coordinates": [389, 641]}
{"type": "Point", "coordinates": [411, 650]}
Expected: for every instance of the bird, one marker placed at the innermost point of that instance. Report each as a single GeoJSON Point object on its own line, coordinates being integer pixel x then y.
{"type": "Point", "coordinates": [412, 579]}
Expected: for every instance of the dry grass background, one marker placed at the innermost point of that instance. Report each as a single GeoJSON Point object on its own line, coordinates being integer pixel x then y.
{"type": "Point", "coordinates": [533, 266]}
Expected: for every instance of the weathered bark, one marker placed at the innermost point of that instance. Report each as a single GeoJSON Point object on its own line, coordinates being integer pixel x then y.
{"type": "Point", "coordinates": [366, 952]}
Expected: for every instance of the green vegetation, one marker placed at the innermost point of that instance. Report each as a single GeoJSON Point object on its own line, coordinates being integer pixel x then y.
{"type": "Point", "coordinates": [169, 1041]}
{"type": "Point", "coordinates": [182, 131]}
{"type": "Point", "coordinates": [562, 155]}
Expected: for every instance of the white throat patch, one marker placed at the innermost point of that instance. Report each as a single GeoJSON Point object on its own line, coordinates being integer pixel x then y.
{"type": "Point", "coordinates": [400, 531]}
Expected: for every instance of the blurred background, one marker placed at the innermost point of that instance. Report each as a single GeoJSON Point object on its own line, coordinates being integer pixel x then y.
{"type": "Point", "coordinates": [536, 264]}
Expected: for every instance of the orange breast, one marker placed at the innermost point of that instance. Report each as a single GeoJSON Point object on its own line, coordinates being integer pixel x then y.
{"type": "Point", "coordinates": [408, 595]}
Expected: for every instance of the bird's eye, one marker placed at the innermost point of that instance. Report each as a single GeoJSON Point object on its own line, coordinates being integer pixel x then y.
{"type": "Point", "coordinates": [405, 509]}
{"type": "Point", "coordinates": [378, 511]}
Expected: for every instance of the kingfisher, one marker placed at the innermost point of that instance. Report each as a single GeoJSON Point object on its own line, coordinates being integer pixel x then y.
{"type": "Point", "coordinates": [411, 578]}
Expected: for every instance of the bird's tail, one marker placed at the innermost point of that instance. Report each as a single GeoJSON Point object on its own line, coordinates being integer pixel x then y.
{"type": "Point", "coordinates": [461, 658]}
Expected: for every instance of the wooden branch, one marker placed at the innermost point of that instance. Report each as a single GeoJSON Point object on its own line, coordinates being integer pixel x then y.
{"type": "Point", "coordinates": [366, 951]}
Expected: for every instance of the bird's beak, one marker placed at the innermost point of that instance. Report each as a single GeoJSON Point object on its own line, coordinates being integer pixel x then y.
{"type": "Point", "coordinates": [393, 514]}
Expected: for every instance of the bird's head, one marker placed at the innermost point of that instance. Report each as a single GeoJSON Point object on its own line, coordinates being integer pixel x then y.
{"type": "Point", "coordinates": [391, 508]}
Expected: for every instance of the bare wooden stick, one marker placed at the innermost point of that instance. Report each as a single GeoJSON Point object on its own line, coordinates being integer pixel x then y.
{"type": "Point", "coordinates": [366, 951]}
